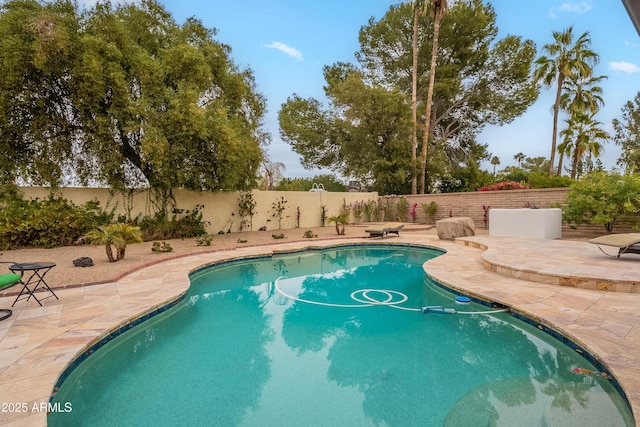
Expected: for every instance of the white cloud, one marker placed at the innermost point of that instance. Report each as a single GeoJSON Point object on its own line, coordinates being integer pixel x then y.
{"type": "Point", "coordinates": [293, 52]}
{"type": "Point", "coordinates": [625, 67]}
{"type": "Point", "coordinates": [575, 7]}
{"type": "Point", "coordinates": [579, 7]}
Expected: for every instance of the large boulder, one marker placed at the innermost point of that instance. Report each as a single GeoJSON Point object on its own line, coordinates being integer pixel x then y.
{"type": "Point", "coordinates": [450, 228]}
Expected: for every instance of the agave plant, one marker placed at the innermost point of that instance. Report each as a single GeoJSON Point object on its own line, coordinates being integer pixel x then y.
{"type": "Point", "coordinates": [114, 236]}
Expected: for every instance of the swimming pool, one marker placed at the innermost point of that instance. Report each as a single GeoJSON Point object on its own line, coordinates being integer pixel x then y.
{"type": "Point", "coordinates": [347, 349]}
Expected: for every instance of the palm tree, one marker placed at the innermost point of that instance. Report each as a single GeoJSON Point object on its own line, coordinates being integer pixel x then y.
{"type": "Point", "coordinates": [128, 234]}
{"type": "Point", "coordinates": [341, 221]}
{"type": "Point", "coordinates": [437, 10]}
{"type": "Point", "coordinates": [495, 161]}
{"type": "Point", "coordinates": [519, 158]}
{"type": "Point", "coordinates": [114, 236]}
{"type": "Point", "coordinates": [581, 95]}
{"type": "Point", "coordinates": [417, 4]}
{"type": "Point", "coordinates": [565, 148]}
{"type": "Point", "coordinates": [108, 236]}
{"type": "Point", "coordinates": [587, 136]}
{"type": "Point", "coordinates": [272, 173]}
{"type": "Point", "coordinates": [565, 59]}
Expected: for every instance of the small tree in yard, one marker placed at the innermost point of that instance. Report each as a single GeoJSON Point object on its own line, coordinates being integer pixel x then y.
{"type": "Point", "coordinates": [114, 236]}
{"type": "Point", "coordinates": [341, 221]}
{"type": "Point", "coordinates": [603, 198]}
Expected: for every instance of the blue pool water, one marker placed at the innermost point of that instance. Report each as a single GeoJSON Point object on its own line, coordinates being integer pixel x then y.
{"type": "Point", "coordinates": [348, 345]}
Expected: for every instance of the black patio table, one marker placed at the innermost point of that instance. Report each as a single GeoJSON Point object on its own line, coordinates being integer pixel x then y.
{"type": "Point", "coordinates": [35, 281]}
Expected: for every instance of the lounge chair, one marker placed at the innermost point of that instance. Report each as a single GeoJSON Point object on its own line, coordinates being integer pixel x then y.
{"type": "Point", "coordinates": [627, 243]}
{"type": "Point", "coordinates": [6, 281]}
{"type": "Point", "coordinates": [385, 229]}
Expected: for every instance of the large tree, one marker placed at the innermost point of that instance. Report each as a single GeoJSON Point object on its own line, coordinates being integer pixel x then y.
{"type": "Point", "coordinates": [437, 9]}
{"type": "Point", "coordinates": [364, 134]}
{"type": "Point", "coordinates": [38, 50]}
{"type": "Point", "coordinates": [124, 96]}
{"type": "Point", "coordinates": [627, 135]}
{"type": "Point", "coordinates": [480, 80]}
{"type": "Point", "coordinates": [562, 59]}
{"type": "Point", "coordinates": [583, 136]}
{"type": "Point", "coordinates": [417, 6]}
{"type": "Point", "coordinates": [581, 98]}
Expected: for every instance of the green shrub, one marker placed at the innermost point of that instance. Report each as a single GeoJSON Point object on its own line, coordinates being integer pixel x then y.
{"type": "Point", "coordinates": [161, 247]}
{"type": "Point", "coordinates": [603, 198]}
{"type": "Point", "coordinates": [47, 223]}
{"type": "Point", "coordinates": [182, 224]}
{"type": "Point", "coordinates": [507, 185]}
{"type": "Point", "coordinates": [309, 234]}
{"type": "Point", "coordinates": [543, 180]}
{"type": "Point", "coordinates": [204, 240]}
{"type": "Point", "coordinates": [430, 211]}
{"type": "Point", "coordinates": [278, 236]}
{"type": "Point", "coordinates": [403, 209]}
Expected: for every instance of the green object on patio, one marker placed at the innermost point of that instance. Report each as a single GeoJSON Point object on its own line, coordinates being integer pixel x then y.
{"type": "Point", "coordinates": [6, 281]}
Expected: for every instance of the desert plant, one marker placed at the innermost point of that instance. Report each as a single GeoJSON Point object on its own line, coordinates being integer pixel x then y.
{"type": "Point", "coordinates": [183, 223]}
{"type": "Point", "coordinates": [387, 211]}
{"type": "Point", "coordinates": [430, 211]}
{"type": "Point", "coordinates": [161, 247]}
{"type": "Point", "coordinates": [323, 215]}
{"type": "Point", "coordinates": [357, 208]}
{"type": "Point", "coordinates": [129, 234]}
{"type": "Point", "coordinates": [246, 208]}
{"type": "Point", "coordinates": [114, 236]}
{"type": "Point", "coordinates": [341, 221]}
{"type": "Point", "coordinates": [379, 211]}
{"type": "Point", "coordinates": [414, 213]}
{"type": "Point", "coordinates": [402, 207]}
{"type": "Point", "coordinates": [278, 236]}
{"type": "Point", "coordinates": [369, 209]}
{"type": "Point", "coordinates": [279, 206]}
{"type": "Point", "coordinates": [226, 226]}
{"type": "Point", "coordinates": [204, 240]}
{"type": "Point", "coordinates": [309, 234]}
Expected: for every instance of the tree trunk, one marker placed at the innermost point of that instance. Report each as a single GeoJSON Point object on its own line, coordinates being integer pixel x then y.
{"type": "Point", "coordinates": [556, 109]}
{"type": "Point", "coordinates": [109, 251]}
{"type": "Point", "coordinates": [574, 160]}
{"type": "Point", "coordinates": [427, 119]}
{"type": "Point", "coordinates": [559, 171]}
{"type": "Point", "coordinates": [414, 102]}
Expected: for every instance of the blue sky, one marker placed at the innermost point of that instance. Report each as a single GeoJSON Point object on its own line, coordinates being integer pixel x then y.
{"type": "Point", "coordinates": [287, 42]}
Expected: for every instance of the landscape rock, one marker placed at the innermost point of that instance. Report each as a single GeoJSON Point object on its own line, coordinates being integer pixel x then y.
{"type": "Point", "coordinates": [84, 261]}
{"type": "Point", "coordinates": [451, 228]}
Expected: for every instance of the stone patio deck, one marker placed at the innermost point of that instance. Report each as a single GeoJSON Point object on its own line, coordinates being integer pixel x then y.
{"type": "Point", "coordinates": [561, 284]}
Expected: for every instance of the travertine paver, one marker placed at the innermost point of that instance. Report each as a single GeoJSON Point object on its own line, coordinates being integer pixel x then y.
{"type": "Point", "coordinates": [37, 343]}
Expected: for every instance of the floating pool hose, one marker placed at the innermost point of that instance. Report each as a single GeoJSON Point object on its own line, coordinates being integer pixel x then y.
{"type": "Point", "coordinates": [393, 299]}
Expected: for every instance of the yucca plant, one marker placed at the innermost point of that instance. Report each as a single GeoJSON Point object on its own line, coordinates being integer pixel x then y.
{"type": "Point", "coordinates": [114, 236]}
